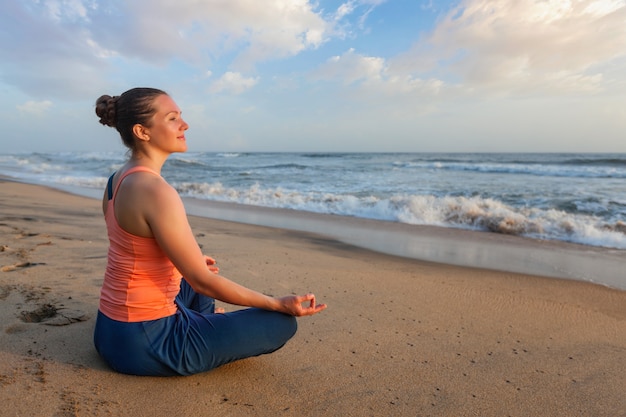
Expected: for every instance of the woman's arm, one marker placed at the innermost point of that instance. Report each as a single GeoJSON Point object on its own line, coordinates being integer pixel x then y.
{"type": "Point", "coordinates": [165, 213]}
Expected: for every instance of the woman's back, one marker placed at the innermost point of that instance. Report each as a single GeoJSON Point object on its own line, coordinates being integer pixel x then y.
{"type": "Point", "coordinates": [140, 281]}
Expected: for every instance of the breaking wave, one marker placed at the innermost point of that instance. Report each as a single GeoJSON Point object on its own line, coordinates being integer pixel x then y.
{"type": "Point", "coordinates": [474, 213]}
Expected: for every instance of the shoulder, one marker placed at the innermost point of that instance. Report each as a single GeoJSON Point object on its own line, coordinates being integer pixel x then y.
{"type": "Point", "coordinates": [145, 182]}
{"type": "Point", "coordinates": [146, 205]}
{"type": "Point", "coordinates": [148, 190]}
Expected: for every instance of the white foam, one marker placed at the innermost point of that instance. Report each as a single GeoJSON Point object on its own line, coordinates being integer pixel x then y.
{"type": "Point", "coordinates": [474, 213]}
{"type": "Point", "coordinates": [450, 190]}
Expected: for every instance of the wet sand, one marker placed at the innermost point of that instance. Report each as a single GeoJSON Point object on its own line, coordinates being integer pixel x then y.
{"type": "Point", "coordinates": [400, 337]}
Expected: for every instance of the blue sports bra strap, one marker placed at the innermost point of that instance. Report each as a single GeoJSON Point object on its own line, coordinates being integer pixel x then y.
{"type": "Point", "coordinates": [110, 187]}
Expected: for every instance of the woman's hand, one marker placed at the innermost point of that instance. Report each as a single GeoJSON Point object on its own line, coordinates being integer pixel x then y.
{"type": "Point", "coordinates": [292, 305]}
{"type": "Point", "coordinates": [210, 263]}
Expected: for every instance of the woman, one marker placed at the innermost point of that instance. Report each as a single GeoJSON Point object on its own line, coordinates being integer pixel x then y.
{"type": "Point", "coordinates": [151, 321]}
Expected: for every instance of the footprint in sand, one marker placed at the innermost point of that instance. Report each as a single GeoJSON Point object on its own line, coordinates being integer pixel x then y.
{"type": "Point", "coordinates": [22, 253]}
{"type": "Point", "coordinates": [45, 313]}
{"type": "Point", "coordinates": [19, 265]}
{"type": "Point", "coordinates": [66, 316]}
{"type": "Point", "coordinates": [50, 315]}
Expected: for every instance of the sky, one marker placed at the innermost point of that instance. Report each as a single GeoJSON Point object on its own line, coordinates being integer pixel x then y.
{"type": "Point", "coordinates": [322, 76]}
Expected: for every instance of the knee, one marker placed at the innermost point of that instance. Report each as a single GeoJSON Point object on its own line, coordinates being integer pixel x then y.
{"type": "Point", "coordinates": [292, 326]}
{"type": "Point", "coordinates": [284, 327]}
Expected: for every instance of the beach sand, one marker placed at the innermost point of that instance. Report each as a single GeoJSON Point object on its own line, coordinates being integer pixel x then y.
{"type": "Point", "coordinates": [400, 337]}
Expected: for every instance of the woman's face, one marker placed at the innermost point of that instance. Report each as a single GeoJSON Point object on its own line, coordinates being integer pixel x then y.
{"type": "Point", "coordinates": [167, 130]}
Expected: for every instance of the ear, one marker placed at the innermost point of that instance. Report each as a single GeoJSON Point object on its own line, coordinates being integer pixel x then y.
{"type": "Point", "coordinates": [141, 132]}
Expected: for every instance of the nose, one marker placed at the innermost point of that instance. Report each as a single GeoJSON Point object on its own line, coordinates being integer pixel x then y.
{"type": "Point", "coordinates": [185, 126]}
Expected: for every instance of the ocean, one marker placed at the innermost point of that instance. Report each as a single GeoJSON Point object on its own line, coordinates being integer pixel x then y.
{"type": "Point", "coordinates": [578, 198]}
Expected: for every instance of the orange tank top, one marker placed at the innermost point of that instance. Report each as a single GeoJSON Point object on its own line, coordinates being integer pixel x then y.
{"type": "Point", "coordinates": [140, 282]}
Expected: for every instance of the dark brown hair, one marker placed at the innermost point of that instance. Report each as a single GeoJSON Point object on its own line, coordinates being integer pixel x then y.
{"type": "Point", "coordinates": [135, 106]}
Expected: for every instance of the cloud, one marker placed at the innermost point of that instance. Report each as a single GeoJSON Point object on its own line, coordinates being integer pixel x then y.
{"type": "Point", "coordinates": [372, 75]}
{"type": "Point", "coordinates": [58, 10]}
{"type": "Point", "coordinates": [342, 25]}
{"type": "Point", "coordinates": [233, 82]}
{"type": "Point", "coordinates": [43, 57]}
{"type": "Point", "coordinates": [351, 67]}
{"type": "Point", "coordinates": [344, 10]}
{"type": "Point", "coordinates": [557, 46]}
{"type": "Point", "coordinates": [157, 30]}
{"type": "Point", "coordinates": [69, 48]}
{"type": "Point", "coordinates": [34, 107]}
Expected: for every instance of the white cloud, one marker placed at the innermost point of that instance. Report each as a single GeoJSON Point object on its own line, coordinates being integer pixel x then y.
{"type": "Point", "coordinates": [34, 107]}
{"type": "Point", "coordinates": [344, 10]}
{"type": "Point", "coordinates": [372, 74]}
{"type": "Point", "coordinates": [98, 51]}
{"type": "Point", "coordinates": [603, 7]}
{"type": "Point", "coordinates": [69, 47]}
{"type": "Point", "coordinates": [233, 82]}
{"type": "Point", "coordinates": [191, 30]}
{"type": "Point", "coordinates": [351, 67]}
{"type": "Point", "coordinates": [557, 46]}
{"type": "Point", "coordinates": [72, 10]}
{"type": "Point", "coordinates": [47, 50]}
{"type": "Point", "coordinates": [341, 17]}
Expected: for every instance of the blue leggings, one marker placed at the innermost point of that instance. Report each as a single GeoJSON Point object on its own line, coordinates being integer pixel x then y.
{"type": "Point", "coordinates": [193, 340]}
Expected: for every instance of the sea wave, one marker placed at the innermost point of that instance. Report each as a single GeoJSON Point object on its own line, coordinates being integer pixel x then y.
{"type": "Point", "coordinates": [581, 170]}
{"type": "Point", "coordinates": [619, 162]}
{"type": "Point", "coordinates": [521, 194]}
{"type": "Point", "coordinates": [474, 213]}
{"type": "Point", "coordinates": [229, 154]}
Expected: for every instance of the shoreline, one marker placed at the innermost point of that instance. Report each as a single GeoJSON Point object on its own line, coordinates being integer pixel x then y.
{"type": "Point", "coordinates": [451, 246]}
{"type": "Point", "coordinates": [445, 245]}
{"type": "Point", "coordinates": [400, 336]}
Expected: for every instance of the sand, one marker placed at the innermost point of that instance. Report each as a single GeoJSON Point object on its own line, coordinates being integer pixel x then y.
{"type": "Point", "coordinates": [400, 337]}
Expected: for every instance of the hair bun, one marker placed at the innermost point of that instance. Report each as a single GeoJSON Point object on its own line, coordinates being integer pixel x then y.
{"type": "Point", "coordinates": [106, 109]}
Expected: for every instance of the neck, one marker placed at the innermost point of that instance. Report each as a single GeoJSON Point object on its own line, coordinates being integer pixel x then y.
{"type": "Point", "coordinates": [150, 161]}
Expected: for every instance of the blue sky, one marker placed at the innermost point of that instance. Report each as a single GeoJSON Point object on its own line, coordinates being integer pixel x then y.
{"type": "Point", "coordinates": [351, 75]}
